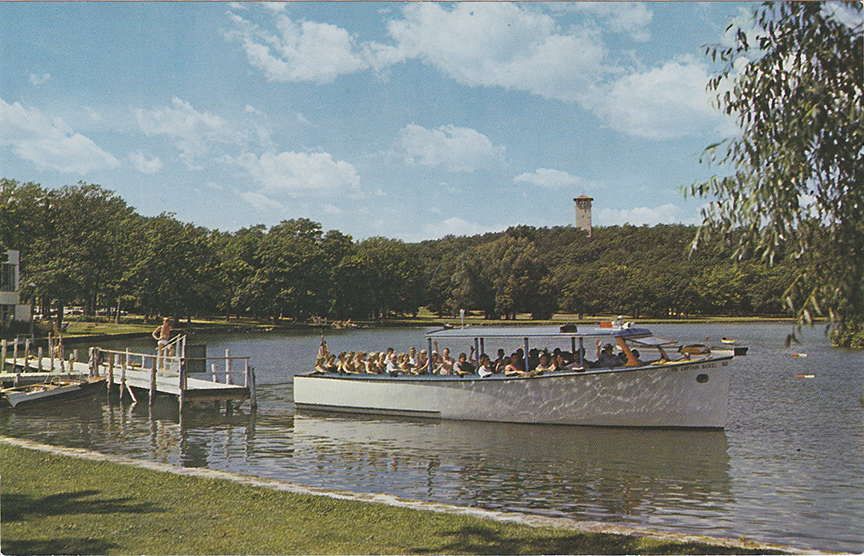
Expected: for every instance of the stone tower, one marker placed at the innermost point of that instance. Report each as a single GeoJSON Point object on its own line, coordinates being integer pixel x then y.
{"type": "Point", "coordinates": [583, 213]}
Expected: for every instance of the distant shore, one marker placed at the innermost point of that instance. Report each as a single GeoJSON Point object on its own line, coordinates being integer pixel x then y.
{"type": "Point", "coordinates": [79, 331]}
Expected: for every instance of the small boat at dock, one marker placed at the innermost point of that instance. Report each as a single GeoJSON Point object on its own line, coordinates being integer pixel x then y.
{"type": "Point", "coordinates": [56, 389]}
{"type": "Point", "coordinates": [689, 391]}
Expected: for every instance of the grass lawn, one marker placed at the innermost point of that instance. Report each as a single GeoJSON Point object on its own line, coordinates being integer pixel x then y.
{"type": "Point", "coordinates": [56, 504]}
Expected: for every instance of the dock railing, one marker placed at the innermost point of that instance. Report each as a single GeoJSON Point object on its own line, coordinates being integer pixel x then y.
{"type": "Point", "coordinates": [20, 351]}
{"type": "Point", "coordinates": [167, 363]}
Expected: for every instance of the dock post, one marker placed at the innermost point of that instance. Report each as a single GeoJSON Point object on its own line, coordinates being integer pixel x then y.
{"type": "Point", "coordinates": [15, 354]}
{"type": "Point", "coordinates": [39, 359]}
{"type": "Point", "coordinates": [152, 383]}
{"type": "Point", "coordinates": [110, 381]}
{"type": "Point", "coordinates": [26, 354]}
{"type": "Point", "coordinates": [228, 366]}
{"type": "Point", "coordinates": [125, 361]}
{"type": "Point", "coordinates": [182, 384]}
{"type": "Point", "coordinates": [253, 396]}
{"type": "Point", "coordinates": [3, 356]}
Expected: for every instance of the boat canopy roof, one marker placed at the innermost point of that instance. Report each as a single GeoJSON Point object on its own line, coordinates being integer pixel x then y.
{"type": "Point", "coordinates": [565, 331]}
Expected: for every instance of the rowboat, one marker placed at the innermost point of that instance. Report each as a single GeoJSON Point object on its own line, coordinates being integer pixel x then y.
{"type": "Point", "coordinates": [61, 388]}
{"type": "Point", "coordinates": [678, 390]}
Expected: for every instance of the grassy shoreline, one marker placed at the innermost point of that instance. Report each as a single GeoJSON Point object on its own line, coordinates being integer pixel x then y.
{"type": "Point", "coordinates": [53, 503]}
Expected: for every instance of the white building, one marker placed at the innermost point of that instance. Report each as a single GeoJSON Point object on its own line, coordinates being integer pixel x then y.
{"type": "Point", "coordinates": [10, 305]}
{"type": "Point", "coordinates": [583, 213]}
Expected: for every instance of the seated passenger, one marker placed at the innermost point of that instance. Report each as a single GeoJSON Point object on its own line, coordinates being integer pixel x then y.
{"type": "Point", "coordinates": [372, 363]}
{"type": "Point", "coordinates": [340, 362]}
{"type": "Point", "coordinates": [348, 365]}
{"type": "Point", "coordinates": [332, 364]}
{"type": "Point", "coordinates": [517, 359]}
{"type": "Point", "coordinates": [381, 363]}
{"type": "Point", "coordinates": [435, 364]}
{"type": "Point", "coordinates": [510, 369]}
{"type": "Point", "coordinates": [447, 362]}
{"type": "Point", "coordinates": [543, 365]}
{"type": "Point", "coordinates": [606, 358]}
{"type": "Point", "coordinates": [405, 364]}
{"type": "Point", "coordinates": [321, 365]}
{"type": "Point", "coordinates": [422, 363]}
{"type": "Point", "coordinates": [560, 362]}
{"type": "Point", "coordinates": [486, 367]}
{"type": "Point", "coordinates": [499, 362]}
{"type": "Point", "coordinates": [464, 367]}
{"type": "Point", "coordinates": [360, 362]}
{"type": "Point", "coordinates": [533, 358]}
{"type": "Point", "coordinates": [392, 364]}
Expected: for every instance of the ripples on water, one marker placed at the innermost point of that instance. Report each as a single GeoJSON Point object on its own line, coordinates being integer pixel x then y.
{"type": "Point", "coordinates": [787, 469]}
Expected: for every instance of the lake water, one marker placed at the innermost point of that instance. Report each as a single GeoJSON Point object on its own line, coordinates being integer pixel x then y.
{"type": "Point", "coordinates": [788, 468]}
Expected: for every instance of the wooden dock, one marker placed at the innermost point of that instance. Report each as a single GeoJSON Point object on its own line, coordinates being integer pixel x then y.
{"type": "Point", "coordinates": [230, 379]}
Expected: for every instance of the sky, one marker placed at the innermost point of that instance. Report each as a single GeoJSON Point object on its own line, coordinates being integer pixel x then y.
{"type": "Point", "coordinates": [403, 120]}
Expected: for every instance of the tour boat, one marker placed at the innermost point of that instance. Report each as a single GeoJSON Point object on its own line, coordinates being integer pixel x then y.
{"type": "Point", "coordinates": [688, 392]}
{"type": "Point", "coordinates": [50, 391]}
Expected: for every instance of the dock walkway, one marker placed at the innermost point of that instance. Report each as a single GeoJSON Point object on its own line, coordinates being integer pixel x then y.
{"type": "Point", "coordinates": [153, 373]}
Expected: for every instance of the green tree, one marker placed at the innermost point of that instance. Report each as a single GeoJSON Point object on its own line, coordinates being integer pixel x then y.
{"type": "Point", "coordinates": [174, 269]}
{"type": "Point", "coordinates": [797, 185]}
{"type": "Point", "coordinates": [72, 240]}
{"type": "Point", "coordinates": [397, 281]}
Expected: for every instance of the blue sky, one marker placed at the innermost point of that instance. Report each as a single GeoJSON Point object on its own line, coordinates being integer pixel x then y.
{"type": "Point", "coordinates": [408, 121]}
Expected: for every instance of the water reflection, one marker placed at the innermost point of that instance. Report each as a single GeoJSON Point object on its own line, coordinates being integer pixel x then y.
{"type": "Point", "coordinates": [588, 473]}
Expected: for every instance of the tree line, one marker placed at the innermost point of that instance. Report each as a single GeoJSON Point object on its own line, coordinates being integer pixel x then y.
{"type": "Point", "coordinates": [83, 245]}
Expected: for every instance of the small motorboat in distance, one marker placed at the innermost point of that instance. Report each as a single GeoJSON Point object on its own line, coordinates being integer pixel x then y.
{"type": "Point", "coordinates": [647, 389]}
{"type": "Point", "coordinates": [56, 389]}
{"type": "Point", "coordinates": [729, 341]}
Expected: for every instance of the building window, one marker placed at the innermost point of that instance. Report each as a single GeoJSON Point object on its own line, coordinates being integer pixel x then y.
{"type": "Point", "coordinates": [7, 277]}
{"type": "Point", "coordinates": [7, 313]}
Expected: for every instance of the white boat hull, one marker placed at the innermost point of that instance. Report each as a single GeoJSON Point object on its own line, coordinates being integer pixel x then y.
{"type": "Point", "coordinates": [682, 394]}
{"type": "Point", "coordinates": [42, 393]}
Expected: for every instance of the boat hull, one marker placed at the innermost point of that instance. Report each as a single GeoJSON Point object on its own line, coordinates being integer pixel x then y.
{"type": "Point", "coordinates": [40, 394]}
{"type": "Point", "coordinates": [691, 394]}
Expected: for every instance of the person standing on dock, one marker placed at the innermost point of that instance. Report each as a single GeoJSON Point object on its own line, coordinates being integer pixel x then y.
{"type": "Point", "coordinates": [163, 336]}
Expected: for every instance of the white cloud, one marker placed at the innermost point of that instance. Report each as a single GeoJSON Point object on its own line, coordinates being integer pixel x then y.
{"type": "Point", "coordinates": [37, 80]}
{"type": "Point", "coordinates": [664, 214]}
{"type": "Point", "coordinates": [329, 208]}
{"type": "Point", "coordinates": [664, 102]}
{"type": "Point", "coordinates": [518, 47]}
{"type": "Point", "coordinates": [49, 142]}
{"type": "Point", "coordinates": [451, 226]}
{"type": "Point", "coordinates": [294, 174]}
{"type": "Point", "coordinates": [514, 46]}
{"type": "Point", "coordinates": [261, 202]}
{"type": "Point", "coordinates": [630, 18]}
{"type": "Point", "coordinates": [300, 51]}
{"type": "Point", "coordinates": [456, 149]}
{"type": "Point", "coordinates": [144, 163]}
{"type": "Point", "coordinates": [192, 131]}
{"type": "Point", "coordinates": [554, 179]}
